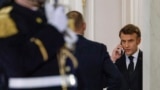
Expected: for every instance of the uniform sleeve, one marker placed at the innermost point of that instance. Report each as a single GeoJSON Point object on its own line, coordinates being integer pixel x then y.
{"type": "Point", "coordinates": [112, 75]}
{"type": "Point", "coordinates": [50, 38]}
{"type": "Point", "coordinates": [22, 54]}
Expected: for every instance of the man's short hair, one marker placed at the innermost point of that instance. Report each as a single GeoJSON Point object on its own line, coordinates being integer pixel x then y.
{"type": "Point", "coordinates": [77, 17]}
{"type": "Point", "coordinates": [130, 29]}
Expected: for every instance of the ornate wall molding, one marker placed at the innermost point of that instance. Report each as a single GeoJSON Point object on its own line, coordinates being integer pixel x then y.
{"type": "Point", "coordinates": [89, 17]}
{"type": "Point", "coordinates": [124, 12]}
{"type": "Point", "coordinates": [130, 11]}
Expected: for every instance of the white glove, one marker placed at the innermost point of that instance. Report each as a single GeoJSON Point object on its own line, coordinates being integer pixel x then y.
{"type": "Point", "coordinates": [56, 16]}
{"type": "Point", "coordinates": [70, 38]}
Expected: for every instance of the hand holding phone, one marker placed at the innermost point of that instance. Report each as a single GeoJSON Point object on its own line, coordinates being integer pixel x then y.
{"type": "Point", "coordinates": [117, 53]}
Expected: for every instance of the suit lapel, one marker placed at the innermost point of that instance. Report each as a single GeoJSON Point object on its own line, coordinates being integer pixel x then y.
{"type": "Point", "coordinates": [123, 67]}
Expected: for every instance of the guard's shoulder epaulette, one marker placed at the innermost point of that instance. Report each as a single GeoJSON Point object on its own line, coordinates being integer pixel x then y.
{"type": "Point", "coordinates": [6, 10]}
{"type": "Point", "coordinates": [7, 25]}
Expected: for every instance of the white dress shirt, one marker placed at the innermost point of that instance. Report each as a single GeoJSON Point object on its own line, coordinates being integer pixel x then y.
{"type": "Point", "coordinates": [135, 55]}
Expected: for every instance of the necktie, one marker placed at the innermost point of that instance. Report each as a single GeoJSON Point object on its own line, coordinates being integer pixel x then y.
{"type": "Point", "coordinates": [130, 70]}
{"type": "Point", "coordinates": [131, 64]}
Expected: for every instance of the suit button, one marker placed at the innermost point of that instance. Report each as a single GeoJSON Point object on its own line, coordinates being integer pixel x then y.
{"type": "Point", "coordinates": [68, 68]}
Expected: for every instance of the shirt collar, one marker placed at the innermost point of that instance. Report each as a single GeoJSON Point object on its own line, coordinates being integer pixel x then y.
{"type": "Point", "coordinates": [135, 55]}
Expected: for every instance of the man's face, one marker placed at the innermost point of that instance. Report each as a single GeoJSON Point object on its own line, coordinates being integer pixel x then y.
{"type": "Point", "coordinates": [130, 43]}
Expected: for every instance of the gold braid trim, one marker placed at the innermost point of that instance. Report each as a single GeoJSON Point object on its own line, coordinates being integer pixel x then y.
{"type": "Point", "coordinates": [7, 25]}
{"type": "Point", "coordinates": [42, 48]}
{"type": "Point", "coordinates": [62, 57]}
{"type": "Point", "coordinates": [71, 24]}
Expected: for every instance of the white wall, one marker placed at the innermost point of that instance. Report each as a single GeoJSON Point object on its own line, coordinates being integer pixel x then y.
{"type": "Point", "coordinates": [107, 22]}
{"type": "Point", "coordinates": [144, 23]}
{"type": "Point", "coordinates": [155, 42]}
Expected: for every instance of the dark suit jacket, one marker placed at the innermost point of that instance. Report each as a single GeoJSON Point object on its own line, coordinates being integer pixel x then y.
{"type": "Point", "coordinates": [94, 63]}
{"type": "Point", "coordinates": [137, 74]}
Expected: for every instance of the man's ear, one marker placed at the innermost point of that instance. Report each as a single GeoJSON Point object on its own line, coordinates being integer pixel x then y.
{"type": "Point", "coordinates": [139, 41]}
{"type": "Point", "coordinates": [84, 26]}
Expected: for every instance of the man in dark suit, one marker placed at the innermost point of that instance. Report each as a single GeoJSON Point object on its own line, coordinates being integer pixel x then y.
{"type": "Point", "coordinates": [30, 39]}
{"type": "Point", "coordinates": [128, 57]}
{"type": "Point", "coordinates": [94, 60]}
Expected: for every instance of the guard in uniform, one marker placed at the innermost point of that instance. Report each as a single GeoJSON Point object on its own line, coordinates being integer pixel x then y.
{"type": "Point", "coordinates": [32, 51]}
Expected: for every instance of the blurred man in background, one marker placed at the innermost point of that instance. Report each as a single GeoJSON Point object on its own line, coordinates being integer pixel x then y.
{"type": "Point", "coordinates": [94, 60]}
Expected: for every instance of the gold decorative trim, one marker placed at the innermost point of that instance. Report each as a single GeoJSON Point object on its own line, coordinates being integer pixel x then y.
{"type": "Point", "coordinates": [62, 57]}
{"type": "Point", "coordinates": [42, 48]}
{"type": "Point", "coordinates": [71, 24]}
{"type": "Point", "coordinates": [84, 3]}
{"type": "Point", "coordinates": [39, 20]}
{"type": "Point", "coordinates": [7, 25]}
{"type": "Point", "coordinates": [6, 10]}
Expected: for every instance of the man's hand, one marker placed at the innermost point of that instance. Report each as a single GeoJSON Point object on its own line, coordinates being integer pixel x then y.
{"type": "Point", "coordinates": [116, 54]}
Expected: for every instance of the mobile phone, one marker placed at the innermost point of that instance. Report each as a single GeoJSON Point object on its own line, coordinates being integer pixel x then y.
{"type": "Point", "coordinates": [122, 51]}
